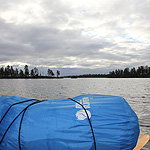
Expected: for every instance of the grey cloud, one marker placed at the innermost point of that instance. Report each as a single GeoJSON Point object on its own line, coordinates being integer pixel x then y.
{"type": "Point", "coordinates": [58, 41]}
{"type": "Point", "coordinates": [48, 46]}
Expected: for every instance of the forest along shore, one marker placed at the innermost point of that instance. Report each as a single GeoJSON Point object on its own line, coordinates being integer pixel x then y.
{"type": "Point", "coordinates": [10, 72]}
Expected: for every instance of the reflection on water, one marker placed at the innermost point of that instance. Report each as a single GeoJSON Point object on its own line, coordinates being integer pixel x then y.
{"type": "Point", "coordinates": [135, 91]}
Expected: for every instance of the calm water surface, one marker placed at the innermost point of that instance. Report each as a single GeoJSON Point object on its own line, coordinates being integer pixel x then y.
{"type": "Point", "coordinates": [135, 91]}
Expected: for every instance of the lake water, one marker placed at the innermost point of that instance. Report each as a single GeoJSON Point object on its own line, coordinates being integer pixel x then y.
{"type": "Point", "coordinates": [135, 91]}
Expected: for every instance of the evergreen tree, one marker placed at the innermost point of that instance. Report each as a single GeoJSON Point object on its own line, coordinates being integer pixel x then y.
{"type": "Point", "coordinates": [7, 71]}
{"type": "Point", "coordinates": [58, 73]}
{"type": "Point", "coordinates": [26, 69]}
{"type": "Point", "coordinates": [12, 72]}
{"type": "Point", "coordinates": [146, 69]}
{"type": "Point", "coordinates": [21, 74]}
{"type": "Point", "coordinates": [133, 72]}
{"type": "Point", "coordinates": [126, 72]}
{"type": "Point", "coordinates": [50, 73]}
{"type": "Point", "coordinates": [36, 72]}
{"type": "Point", "coordinates": [32, 73]}
{"type": "Point", "coordinates": [16, 72]}
{"type": "Point", "coordinates": [2, 73]}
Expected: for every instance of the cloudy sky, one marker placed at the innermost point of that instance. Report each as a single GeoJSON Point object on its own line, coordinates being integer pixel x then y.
{"type": "Point", "coordinates": [75, 36]}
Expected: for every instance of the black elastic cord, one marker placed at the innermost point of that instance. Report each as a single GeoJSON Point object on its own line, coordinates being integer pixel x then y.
{"type": "Point", "coordinates": [88, 119]}
{"type": "Point", "coordinates": [22, 120]}
{"type": "Point", "coordinates": [20, 129]}
{"type": "Point", "coordinates": [13, 105]}
{"type": "Point", "coordinates": [15, 119]}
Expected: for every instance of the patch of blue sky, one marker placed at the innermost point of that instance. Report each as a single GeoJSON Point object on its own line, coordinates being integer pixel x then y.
{"type": "Point", "coordinates": [89, 34]}
{"type": "Point", "coordinates": [82, 11]}
{"type": "Point", "coordinates": [147, 43]}
{"type": "Point", "coordinates": [119, 31]}
{"type": "Point", "coordinates": [134, 39]}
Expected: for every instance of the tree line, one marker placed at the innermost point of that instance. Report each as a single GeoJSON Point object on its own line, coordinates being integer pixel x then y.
{"type": "Point", "coordinates": [10, 72]}
{"type": "Point", "coordinates": [140, 72]}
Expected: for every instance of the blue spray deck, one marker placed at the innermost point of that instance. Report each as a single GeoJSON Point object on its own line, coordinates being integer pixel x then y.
{"type": "Point", "coordinates": [85, 122]}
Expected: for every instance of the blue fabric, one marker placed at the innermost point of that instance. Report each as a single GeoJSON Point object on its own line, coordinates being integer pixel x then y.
{"type": "Point", "coordinates": [62, 124]}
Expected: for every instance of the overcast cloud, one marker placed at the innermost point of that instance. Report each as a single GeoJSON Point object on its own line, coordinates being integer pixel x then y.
{"type": "Point", "coordinates": [75, 36]}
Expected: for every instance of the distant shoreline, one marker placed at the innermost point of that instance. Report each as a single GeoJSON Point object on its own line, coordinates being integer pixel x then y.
{"type": "Point", "coordinates": [31, 77]}
{"type": "Point", "coordinates": [70, 77]}
{"type": "Point", "coordinates": [10, 73]}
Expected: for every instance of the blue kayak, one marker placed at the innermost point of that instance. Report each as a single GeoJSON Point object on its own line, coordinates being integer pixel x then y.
{"type": "Point", "coordinates": [85, 122]}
